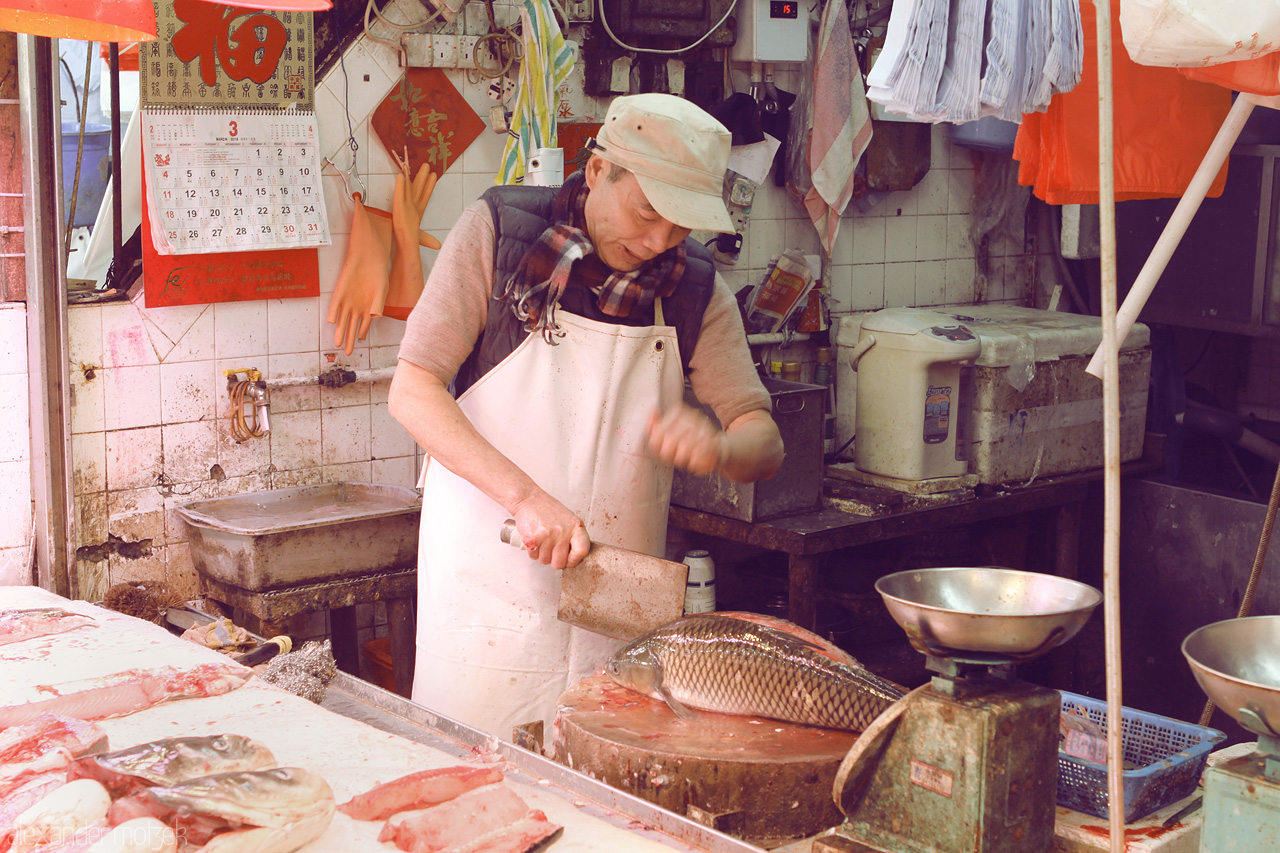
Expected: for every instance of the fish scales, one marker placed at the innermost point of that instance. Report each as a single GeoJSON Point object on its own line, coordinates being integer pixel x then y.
{"type": "Point", "coordinates": [735, 665]}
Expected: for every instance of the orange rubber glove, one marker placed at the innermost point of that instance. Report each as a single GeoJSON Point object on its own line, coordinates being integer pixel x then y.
{"type": "Point", "coordinates": [361, 291]}
{"type": "Point", "coordinates": [407, 207]}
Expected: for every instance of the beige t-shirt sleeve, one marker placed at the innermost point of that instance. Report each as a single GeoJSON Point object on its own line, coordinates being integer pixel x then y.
{"type": "Point", "coordinates": [450, 315]}
{"type": "Point", "coordinates": [721, 372]}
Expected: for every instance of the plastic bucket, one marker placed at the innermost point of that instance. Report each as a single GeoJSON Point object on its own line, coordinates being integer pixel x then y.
{"type": "Point", "coordinates": [95, 169]}
{"type": "Point", "coordinates": [986, 134]}
{"type": "Point", "coordinates": [378, 655]}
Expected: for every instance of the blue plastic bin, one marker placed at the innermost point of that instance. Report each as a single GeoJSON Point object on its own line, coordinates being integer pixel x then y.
{"type": "Point", "coordinates": [1168, 756]}
{"type": "Point", "coordinates": [95, 168]}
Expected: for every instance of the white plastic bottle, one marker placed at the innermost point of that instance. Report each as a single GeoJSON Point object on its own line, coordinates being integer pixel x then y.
{"type": "Point", "coordinates": [700, 591]}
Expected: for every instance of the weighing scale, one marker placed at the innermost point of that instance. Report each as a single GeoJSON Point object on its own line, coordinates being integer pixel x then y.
{"type": "Point", "coordinates": [1237, 663]}
{"type": "Point", "coordinates": [969, 761]}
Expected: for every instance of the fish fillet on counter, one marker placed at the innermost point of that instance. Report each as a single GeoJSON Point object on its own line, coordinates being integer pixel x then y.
{"type": "Point", "coordinates": [57, 817]}
{"type": "Point", "coordinates": [490, 818]}
{"type": "Point", "coordinates": [747, 663]}
{"type": "Point", "coordinates": [34, 758]}
{"type": "Point", "coordinates": [126, 692]}
{"type": "Point", "coordinates": [47, 743]}
{"type": "Point", "coordinates": [418, 791]}
{"type": "Point", "coordinates": [19, 625]}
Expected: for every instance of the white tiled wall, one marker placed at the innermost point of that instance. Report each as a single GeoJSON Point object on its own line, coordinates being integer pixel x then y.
{"type": "Point", "coordinates": [149, 412]}
{"type": "Point", "coordinates": [15, 447]}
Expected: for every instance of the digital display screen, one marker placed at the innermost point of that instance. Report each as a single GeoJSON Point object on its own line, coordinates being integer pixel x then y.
{"type": "Point", "coordinates": [783, 9]}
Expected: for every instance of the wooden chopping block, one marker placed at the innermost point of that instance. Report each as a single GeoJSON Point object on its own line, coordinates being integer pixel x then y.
{"type": "Point", "coordinates": [762, 780]}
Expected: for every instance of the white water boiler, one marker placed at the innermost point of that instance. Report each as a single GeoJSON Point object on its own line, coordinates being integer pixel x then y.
{"type": "Point", "coordinates": [914, 390]}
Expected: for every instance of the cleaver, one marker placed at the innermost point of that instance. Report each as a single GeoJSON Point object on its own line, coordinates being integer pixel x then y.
{"type": "Point", "coordinates": [616, 592]}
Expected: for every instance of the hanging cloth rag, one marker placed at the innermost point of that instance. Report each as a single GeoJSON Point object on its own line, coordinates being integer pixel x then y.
{"type": "Point", "coordinates": [548, 59]}
{"type": "Point", "coordinates": [841, 125]}
{"type": "Point", "coordinates": [1164, 124]}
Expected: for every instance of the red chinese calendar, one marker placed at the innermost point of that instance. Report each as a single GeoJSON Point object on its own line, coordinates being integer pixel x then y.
{"type": "Point", "coordinates": [233, 181]}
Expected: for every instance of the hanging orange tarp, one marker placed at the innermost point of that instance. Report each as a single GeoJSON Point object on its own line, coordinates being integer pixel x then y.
{"type": "Point", "coordinates": [1164, 123]}
{"type": "Point", "coordinates": [1259, 76]}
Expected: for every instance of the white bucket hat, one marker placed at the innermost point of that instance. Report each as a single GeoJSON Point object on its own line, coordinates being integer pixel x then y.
{"type": "Point", "coordinates": [677, 152]}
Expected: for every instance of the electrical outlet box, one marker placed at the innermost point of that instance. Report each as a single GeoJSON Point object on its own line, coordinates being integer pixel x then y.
{"type": "Point", "coordinates": [418, 50]}
{"type": "Point", "coordinates": [579, 11]}
{"type": "Point", "coordinates": [772, 31]}
{"type": "Point", "coordinates": [467, 51]}
{"type": "Point", "coordinates": [446, 51]}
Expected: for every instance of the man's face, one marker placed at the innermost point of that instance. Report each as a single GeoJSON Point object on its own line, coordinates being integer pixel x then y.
{"type": "Point", "coordinates": [624, 227]}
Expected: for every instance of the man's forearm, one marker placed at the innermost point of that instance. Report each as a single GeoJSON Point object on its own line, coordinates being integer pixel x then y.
{"type": "Point", "coordinates": [550, 532]}
{"type": "Point", "coordinates": [422, 404]}
{"type": "Point", "coordinates": [751, 448]}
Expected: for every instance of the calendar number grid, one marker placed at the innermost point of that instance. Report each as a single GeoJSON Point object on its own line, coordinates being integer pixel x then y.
{"type": "Point", "coordinates": [233, 182]}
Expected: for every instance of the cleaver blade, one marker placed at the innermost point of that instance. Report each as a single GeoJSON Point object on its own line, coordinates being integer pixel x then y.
{"type": "Point", "coordinates": [616, 592]}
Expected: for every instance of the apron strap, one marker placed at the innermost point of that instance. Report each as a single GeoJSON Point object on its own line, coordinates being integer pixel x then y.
{"type": "Point", "coordinates": [658, 319]}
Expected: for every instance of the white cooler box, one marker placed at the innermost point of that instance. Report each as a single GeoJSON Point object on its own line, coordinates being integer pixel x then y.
{"type": "Point", "coordinates": [1035, 412]}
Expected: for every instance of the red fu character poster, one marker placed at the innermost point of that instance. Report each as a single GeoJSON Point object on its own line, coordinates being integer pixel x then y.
{"type": "Point", "coordinates": [255, 70]}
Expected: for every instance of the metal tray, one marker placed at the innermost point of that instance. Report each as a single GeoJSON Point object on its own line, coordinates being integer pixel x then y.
{"type": "Point", "coordinates": [285, 537]}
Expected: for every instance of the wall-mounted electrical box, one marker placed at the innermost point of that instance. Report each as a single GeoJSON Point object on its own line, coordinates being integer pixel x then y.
{"type": "Point", "coordinates": [680, 20]}
{"type": "Point", "coordinates": [772, 31]}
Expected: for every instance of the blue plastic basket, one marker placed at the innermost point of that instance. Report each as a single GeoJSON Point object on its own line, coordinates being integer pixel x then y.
{"type": "Point", "coordinates": [1168, 755]}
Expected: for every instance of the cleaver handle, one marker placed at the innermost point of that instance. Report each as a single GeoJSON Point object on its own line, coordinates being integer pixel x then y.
{"type": "Point", "coordinates": [509, 535]}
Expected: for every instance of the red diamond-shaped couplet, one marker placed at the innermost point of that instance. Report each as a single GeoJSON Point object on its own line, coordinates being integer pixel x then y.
{"type": "Point", "coordinates": [427, 115]}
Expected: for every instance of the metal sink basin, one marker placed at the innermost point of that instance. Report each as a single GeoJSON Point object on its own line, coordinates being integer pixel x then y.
{"type": "Point", "coordinates": [289, 537]}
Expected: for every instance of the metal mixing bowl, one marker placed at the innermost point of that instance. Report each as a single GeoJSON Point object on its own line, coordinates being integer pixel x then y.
{"type": "Point", "coordinates": [1002, 613]}
{"type": "Point", "coordinates": [1237, 663]}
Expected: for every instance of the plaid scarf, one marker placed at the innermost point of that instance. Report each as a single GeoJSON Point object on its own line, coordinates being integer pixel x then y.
{"type": "Point", "coordinates": [535, 290]}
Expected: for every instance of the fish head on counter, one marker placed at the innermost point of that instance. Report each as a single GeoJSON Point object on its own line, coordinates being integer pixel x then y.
{"type": "Point", "coordinates": [173, 760]}
{"type": "Point", "coordinates": [276, 797]}
{"type": "Point", "coordinates": [252, 811]}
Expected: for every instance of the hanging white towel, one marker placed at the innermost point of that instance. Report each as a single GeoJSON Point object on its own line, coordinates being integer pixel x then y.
{"type": "Point", "coordinates": [548, 60]}
{"type": "Point", "coordinates": [841, 123]}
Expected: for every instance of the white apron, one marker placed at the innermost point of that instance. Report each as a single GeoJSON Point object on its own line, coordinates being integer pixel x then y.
{"type": "Point", "coordinates": [490, 651]}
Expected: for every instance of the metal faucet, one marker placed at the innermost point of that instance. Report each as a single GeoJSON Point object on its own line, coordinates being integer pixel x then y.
{"type": "Point", "coordinates": [252, 389]}
{"type": "Point", "coordinates": [257, 392]}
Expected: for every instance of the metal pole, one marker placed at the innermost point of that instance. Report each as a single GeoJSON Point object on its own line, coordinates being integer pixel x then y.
{"type": "Point", "coordinates": [117, 232]}
{"type": "Point", "coordinates": [1110, 433]}
{"type": "Point", "coordinates": [47, 368]}
{"type": "Point", "coordinates": [1178, 223]}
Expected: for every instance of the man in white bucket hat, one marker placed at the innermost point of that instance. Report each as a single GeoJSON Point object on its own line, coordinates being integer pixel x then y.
{"type": "Point", "coordinates": [542, 370]}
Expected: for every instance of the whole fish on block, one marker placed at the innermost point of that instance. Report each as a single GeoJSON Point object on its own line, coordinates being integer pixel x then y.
{"type": "Point", "coordinates": [417, 791]}
{"type": "Point", "coordinates": [489, 818]}
{"type": "Point", "coordinates": [19, 625]}
{"type": "Point", "coordinates": [251, 811]}
{"type": "Point", "coordinates": [125, 692]}
{"type": "Point", "coordinates": [170, 761]}
{"type": "Point", "coordinates": [746, 663]}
